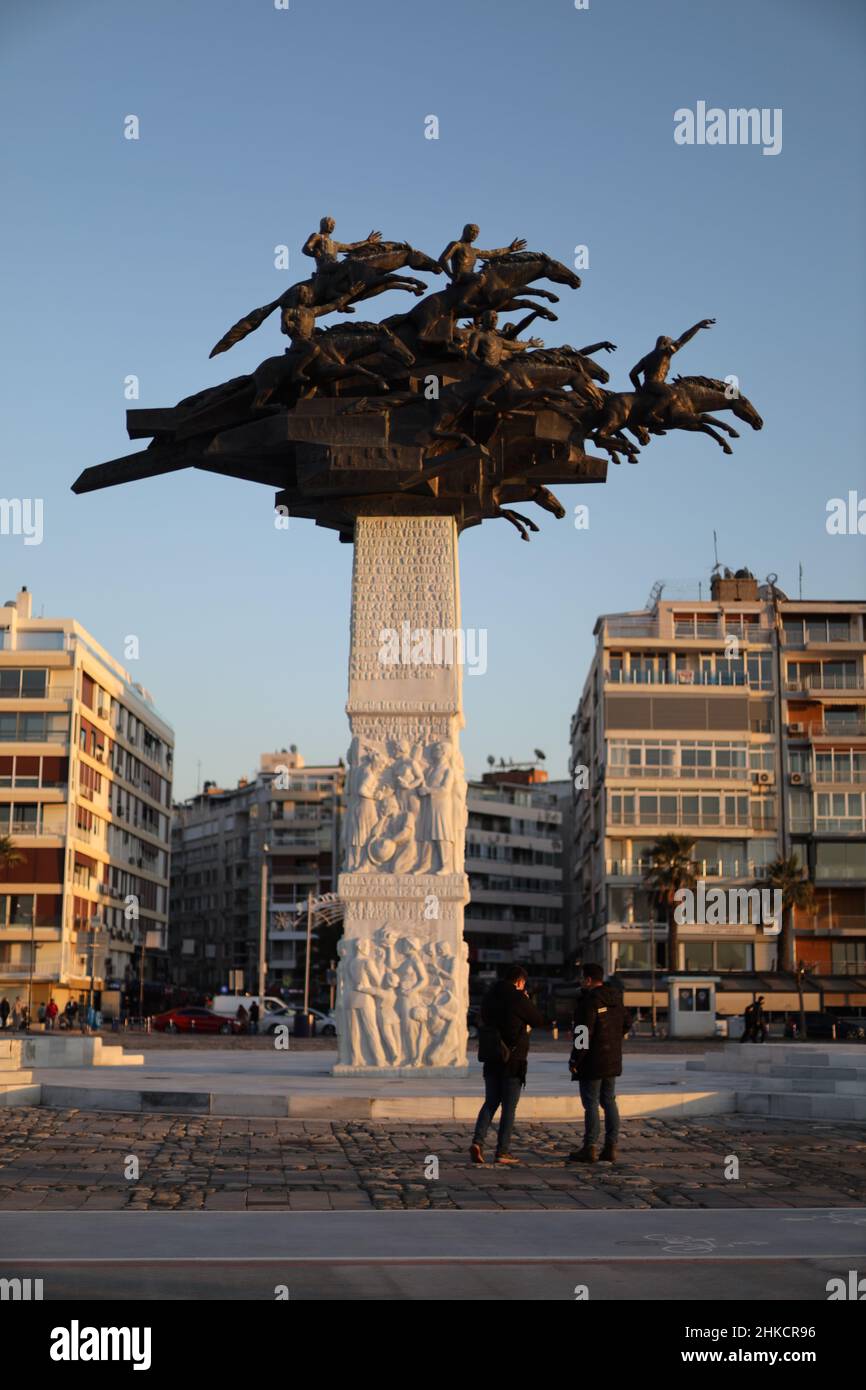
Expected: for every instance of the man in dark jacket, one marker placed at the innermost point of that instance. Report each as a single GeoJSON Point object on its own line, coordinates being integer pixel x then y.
{"type": "Point", "coordinates": [600, 1023]}
{"type": "Point", "coordinates": [507, 1014]}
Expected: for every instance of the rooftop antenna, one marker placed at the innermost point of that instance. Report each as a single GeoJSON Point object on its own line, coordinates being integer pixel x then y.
{"type": "Point", "coordinates": [715, 552]}
{"type": "Point", "coordinates": [801, 579]}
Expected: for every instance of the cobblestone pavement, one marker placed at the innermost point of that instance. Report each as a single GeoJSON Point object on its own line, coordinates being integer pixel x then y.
{"type": "Point", "coordinates": [72, 1160]}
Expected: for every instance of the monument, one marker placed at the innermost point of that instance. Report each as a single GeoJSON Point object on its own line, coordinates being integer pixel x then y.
{"type": "Point", "coordinates": [400, 435]}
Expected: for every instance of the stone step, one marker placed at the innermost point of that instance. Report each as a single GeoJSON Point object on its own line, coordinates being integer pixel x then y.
{"type": "Point", "coordinates": [791, 1072]}
{"type": "Point", "coordinates": [790, 1105]}
{"type": "Point", "coordinates": [75, 1050]}
{"type": "Point", "coordinates": [20, 1095]}
{"type": "Point", "coordinates": [15, 1078]}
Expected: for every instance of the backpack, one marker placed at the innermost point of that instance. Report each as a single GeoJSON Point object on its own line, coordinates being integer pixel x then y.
{"type": "Point", "coordinates": [492, 1047]}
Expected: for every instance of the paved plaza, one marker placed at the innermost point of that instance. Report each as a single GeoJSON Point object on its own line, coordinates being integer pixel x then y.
{"type": "Point", "coordinates": [69, 1160]}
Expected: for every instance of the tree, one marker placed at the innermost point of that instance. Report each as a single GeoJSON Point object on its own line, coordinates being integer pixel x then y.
{"type": "Point", "coordinates": [671, 868]}
{"type": "Point", "coordinates": [790, 878]}
{"type": "Point", "coordinates": [10, 854]}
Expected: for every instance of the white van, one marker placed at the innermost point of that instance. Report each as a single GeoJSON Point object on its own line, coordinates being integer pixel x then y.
{"type": "Point", "coordinates": [273, 1011]}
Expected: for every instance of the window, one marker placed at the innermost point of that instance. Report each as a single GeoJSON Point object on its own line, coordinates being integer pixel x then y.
{"type": "Point", "coordinates": [41, 641]}
{"type": "Point", "coordinates": [17, 683]}
{"type": "Point", "coordinates": [840, 860]}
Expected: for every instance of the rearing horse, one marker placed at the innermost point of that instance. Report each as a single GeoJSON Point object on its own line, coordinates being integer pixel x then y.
{"type": "Point", "coordinates": [688, 407]}
{"type": "Point", "coordinates": [361, 276]}
{"type": "Point", "coordinates": [432, 322]}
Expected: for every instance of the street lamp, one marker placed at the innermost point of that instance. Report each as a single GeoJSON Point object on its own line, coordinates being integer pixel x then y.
{"type": "Point", "coordinates": [263, 923]}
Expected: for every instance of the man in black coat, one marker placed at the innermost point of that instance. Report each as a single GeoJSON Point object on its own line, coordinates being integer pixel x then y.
{"type": "Point", "coordinates": [600, 1023]}
{"type": "Point", "coordinates": [507, 1014]}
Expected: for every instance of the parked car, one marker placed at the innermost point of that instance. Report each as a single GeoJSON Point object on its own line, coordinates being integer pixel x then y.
{"type": "Point", "coordinates": [193, 1020]}
{"type": "Point", "coordinates": [820, 1027]}
{"type": "Point", "coordinates": [325, 1024]}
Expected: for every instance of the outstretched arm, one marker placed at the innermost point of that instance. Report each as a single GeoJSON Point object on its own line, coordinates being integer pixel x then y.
{"type": "Point", "coordinates": [513, 330]}
{"type": "Point", "coordinates": [517, 245]}
{"type": "Point", "coordinates": [597, 347]}
{"type": "Point", "coordinates": [358, 245]}
{"type": "Point", "coordinates": [690, 333]}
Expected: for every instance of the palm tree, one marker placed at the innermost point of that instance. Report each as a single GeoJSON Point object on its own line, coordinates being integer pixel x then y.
{"type": "Point", "coordinates": [792, 880]}
{"type": "Point", "coordinates": [671, 868]}
{"type": "Point", "coordinates": [10, 855]}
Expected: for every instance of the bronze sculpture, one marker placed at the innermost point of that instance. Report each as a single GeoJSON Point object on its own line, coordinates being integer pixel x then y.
{"type": "Point", "coordinates": [437, 410]}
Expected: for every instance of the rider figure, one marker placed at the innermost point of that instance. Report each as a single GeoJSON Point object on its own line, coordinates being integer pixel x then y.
{"type": "Point", "coordinates": [324, 249]}
{"type": "Point", "coordinates": [655, 367]}
{"type": "Point", "coordinates": [459, 257]}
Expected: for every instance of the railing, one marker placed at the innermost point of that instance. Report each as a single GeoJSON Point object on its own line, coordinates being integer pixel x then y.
{"type": "Point", "coordinates": [678, 678]}
{"type": "Point", "coordinates": [853, 777]}
{"type": "Point", "coordinates": [857, 727]}
{"type": "Point", "coordinates": [632, 627]}
{"type": "Point", "coordinates": [822, 682]}
{"type": "Point", "coordinates": [840, 824]}
{"type": "Point", "coordinates": [710, 774]}
{"type": "Point", "coordinates": [686, 818]}
{"type": "Point", "coordinates": [704, 868]}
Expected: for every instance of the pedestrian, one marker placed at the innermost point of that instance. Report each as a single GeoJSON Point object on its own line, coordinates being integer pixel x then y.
{"type": "Point", "coordinates": [40, 1014]}
{"type": "Point", "coordinates": [600, 1024]}
{"type": "Point", "coordinates": [507, 1014]}
{"type": "Point", "coordinates": [82, 1018]}
{"type": "Point", "coordinates": [4, 1012]}
{"type": "Point", "coordinates": [243, 1018]}
{"type": "Point", "coordinates": [254, 1016]}
{"type": "Point", "coordinates": [69, 1013]}
{"type": "Point", "coordinates": [759, 1025]}
{"type": "Point", "coordinates": [51, 1013]}
{"type": "Point", "coordinates": [17, 1012]}
{"type": "Point", "coordinates": [748, 1033]}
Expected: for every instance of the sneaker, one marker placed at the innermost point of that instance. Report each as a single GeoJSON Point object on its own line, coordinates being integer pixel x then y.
{"type": "Point", "coordinates": [506, 1159]}
{"type": "Point", "coordinates": [476, 1154]}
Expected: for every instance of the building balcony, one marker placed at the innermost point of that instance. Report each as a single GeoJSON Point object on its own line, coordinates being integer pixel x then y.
{"type": "Point", "coordinates": [691, 822]}
{"type": "Point", "coordinates": [676, 774]}
{"type": "Point", "coordinates": [820, 682]}
{"type": "Point", "coordinates": [684, 679]}
{"type": "Point", "coordinates": [705, 868]}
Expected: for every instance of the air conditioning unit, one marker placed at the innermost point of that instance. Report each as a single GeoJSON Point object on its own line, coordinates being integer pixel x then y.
{"type": "Point", "coordinates": [797, 779]}
{"type": "Point", "coordinates": [796, 728]}
{"type": "Point", "coordinates": [102, 711]}
{"type": "Point", "coordinates": [763, 779]}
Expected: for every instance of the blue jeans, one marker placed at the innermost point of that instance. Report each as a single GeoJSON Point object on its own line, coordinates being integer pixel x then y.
{"type": "Point", "coordinates": [499, 1089]}
{"type": "Point", "coordinates": [593, 1093]}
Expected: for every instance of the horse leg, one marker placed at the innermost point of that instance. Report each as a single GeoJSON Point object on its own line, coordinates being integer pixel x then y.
{"type": "Point", "coordinates": [519, 521]}
{"type": "Point", "coordinates": [512, 305]}
{"type": "Point", "coordinates": [722, 425]}
{"type": "Point", "coordinates": [697, 424]}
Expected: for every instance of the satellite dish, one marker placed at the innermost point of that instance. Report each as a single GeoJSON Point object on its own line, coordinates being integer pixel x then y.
{"type": "Point", "coordinates": [540, 755]}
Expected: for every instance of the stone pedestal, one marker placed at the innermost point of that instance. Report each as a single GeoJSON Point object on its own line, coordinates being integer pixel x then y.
{"type": "Point", "coordinates": [402, 978]}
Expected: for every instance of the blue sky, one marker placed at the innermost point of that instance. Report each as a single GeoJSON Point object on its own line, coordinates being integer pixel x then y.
{"type": "Point", "coordinates": [132, 257]}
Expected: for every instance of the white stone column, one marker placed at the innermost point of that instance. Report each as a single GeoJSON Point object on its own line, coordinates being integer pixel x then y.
{"type": "Point", "coordinates": [403, 976]}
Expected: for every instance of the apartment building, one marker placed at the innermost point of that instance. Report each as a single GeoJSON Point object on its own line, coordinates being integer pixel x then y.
{"type": "Point", "coordinates": [514, 860]}
{"type": "Point", "coordinates": [740, 722]}
{"type": "Point", "coordinates": [85, 796]}
{"type": "Point", "coordinates": [287, 816]}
